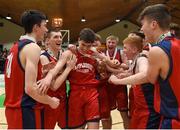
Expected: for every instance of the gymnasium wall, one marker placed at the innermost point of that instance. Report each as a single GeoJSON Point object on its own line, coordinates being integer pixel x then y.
{"type": "Point", "coordinates": [10, 32]}
{"type": "Point", "coordinates": [120, 29]}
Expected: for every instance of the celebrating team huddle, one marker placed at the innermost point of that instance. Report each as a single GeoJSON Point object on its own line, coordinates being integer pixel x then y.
{"type": "Point", "coordinates": [77, 87]}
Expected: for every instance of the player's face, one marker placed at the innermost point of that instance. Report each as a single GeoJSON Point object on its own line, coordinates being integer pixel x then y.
{"type": "Point", "coordinates": [148, 27]}
{"type": "Point", "coordinates": [41, 30]}
{"type": "Point", "coordinates": [55, 40]}
{"type": "Point", "coordinates": [111, 44]}
{"type": "Point", "coordinates": [128, 51]}
{"type": "Point", "coordinates": [84, 46]}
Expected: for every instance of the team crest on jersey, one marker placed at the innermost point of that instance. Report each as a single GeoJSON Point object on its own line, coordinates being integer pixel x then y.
{"type": "Point", "coordinates": [84, 67]}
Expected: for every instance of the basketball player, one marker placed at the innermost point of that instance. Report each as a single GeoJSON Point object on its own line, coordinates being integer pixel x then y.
{"type": "Point", "coordinates": [83, 106]}
{"type": "Point", "coordinates": [22, 102]}
{"type": "Point", "coordinates": [163, 70]}
{"type": "Point", "coordinates": [143, 115]}
{"type": "Point", "coordinates": [117, 95]}
{"type": "Point", "coordinates": [54, 51]}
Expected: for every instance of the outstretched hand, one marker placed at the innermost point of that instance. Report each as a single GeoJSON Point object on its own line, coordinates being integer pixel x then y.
{"type": "Point", "coordinates": [47, 67]}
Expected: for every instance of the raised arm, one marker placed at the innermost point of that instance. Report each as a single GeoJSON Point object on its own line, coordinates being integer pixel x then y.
{"type": "Point", "coordinates": [114, 70]}
{"type": "Point", "coordinates": [45, 83]}
{"type": "Point", "coordinates": [60, 64]}
{"type": "Point", "coordinates": [138, 78]}
{"type": "Point", "coordinates": [62, 77]}
{"type": "Point", "coordinates": [46, 64]}
{"type": "Point", "coordinates": [112, 63]}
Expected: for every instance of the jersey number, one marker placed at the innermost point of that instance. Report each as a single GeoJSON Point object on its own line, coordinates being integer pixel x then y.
{"type": "Point", "coordinates": [9, 63]}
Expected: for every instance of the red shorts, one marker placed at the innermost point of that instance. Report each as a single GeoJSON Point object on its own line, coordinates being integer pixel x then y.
{"type": "Point", "coordinates": [144, 119]}
{"type": "Point", "coordinates": [51, 116]}
{"type": "Point", "coordinates": [139, 119]}
{"type": "Point", "coordinates": [104, 101]}
{"type": "Point", "coordinates": [61, 119]}
{"type": "Point", "coordinates": [118, 97]}
{"type": "Point", "coordinates": [24, 118]}
{"type": "Point", "coordinates": [83, 107]}
{"type": "Point", "coordinates": [131, 101]}
{"type": "Point", "coordinates": [143, 114]}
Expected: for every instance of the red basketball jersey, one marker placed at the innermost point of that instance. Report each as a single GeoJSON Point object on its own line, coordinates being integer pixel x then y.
{"type": "Point", "coordinates": [116, 55]}
{"type": "Point", "coordinates": [61, 91]}
{"type": "Point", "coordinates": [15, 78]}
{"type": "Point", "coordinates": [84, 72]}
{"type": "Point", "coordinates": [167, 92]}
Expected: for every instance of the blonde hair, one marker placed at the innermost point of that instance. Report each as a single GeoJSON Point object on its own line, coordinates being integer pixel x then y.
{"type": "Point", "coordinates": [112, 37]}
{"type": "Point", "coordinates": [135, 41]}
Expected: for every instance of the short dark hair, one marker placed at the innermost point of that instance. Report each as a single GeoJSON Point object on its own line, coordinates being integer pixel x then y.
{"type": "Point", "coordinates": [48, 35]}
{"type": "Point", "coordinates": [112, 37]}
{"type": "Point", "coordinates": [159, 13]}
{"type": "Point", "coordinates": [30, 18]}
{"type": "Point", "coordinates": [87, 35]}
